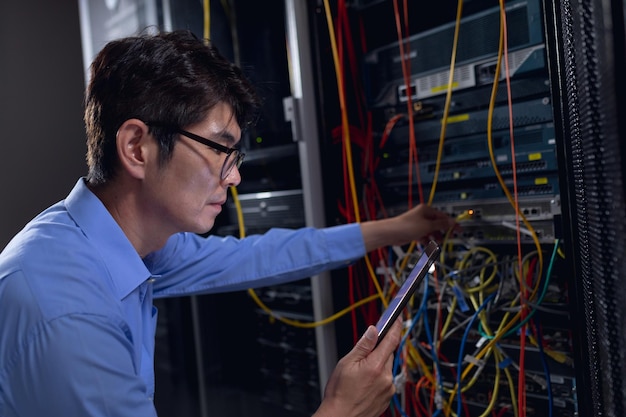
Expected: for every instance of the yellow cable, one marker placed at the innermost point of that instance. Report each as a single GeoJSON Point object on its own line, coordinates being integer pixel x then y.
{"type": "Point", "coordinates": [240, 223]}
{"type": "Point", "coordinates": [485, 350]}
{"type": "Point", "coordinates": [444, 120]}
{"type": "Point", "coordinates": [497, 357]}
{"type": "Point", "coordinates": [444, 328]}
{"type": "Point", "coordinates": [559, 357]}
{"type": "Point", "coordinates": [309, 325]}
{"type": "Point", "coordinates": [207, 19]}
{"type": "Point", "coordinates": [415, 355]}
{"type": "Point", "coordinates": [346, 139]}
{"type": "Point", "coordinates": [491, 257]}
{"type": "Point", "coordinates": [503, 185]}
{"type": "Point", "coordinates": [264, 307]}
{"type": "Point", "coordinates": [512, 391]}
{"type": "Point", "coordinates": [344, 113]}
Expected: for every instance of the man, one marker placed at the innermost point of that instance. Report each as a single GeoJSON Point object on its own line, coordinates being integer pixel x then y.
{"type": "Point", "coordinates": [164, 114]}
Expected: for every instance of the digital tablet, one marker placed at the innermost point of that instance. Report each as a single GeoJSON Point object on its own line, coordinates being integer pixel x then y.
{"type": "Point", "coordinates": [407, 289]}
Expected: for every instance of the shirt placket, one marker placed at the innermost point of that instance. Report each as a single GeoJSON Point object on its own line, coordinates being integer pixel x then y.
{"type": "Point", "coordinates": [149, 319]}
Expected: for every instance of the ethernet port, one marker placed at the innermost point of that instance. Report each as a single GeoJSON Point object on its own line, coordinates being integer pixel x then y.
{"type": "Point", "coordinates": [485, 73]}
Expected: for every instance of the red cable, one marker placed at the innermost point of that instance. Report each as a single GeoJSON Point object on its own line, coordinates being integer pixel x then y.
{"type": "Point", "coordinates": [521, 382]}
{"type": "Point", "coordinates": [412, 146]}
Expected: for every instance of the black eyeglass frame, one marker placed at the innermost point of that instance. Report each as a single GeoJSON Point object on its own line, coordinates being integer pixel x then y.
{"type": "Point", "coordinates": [225, 172]}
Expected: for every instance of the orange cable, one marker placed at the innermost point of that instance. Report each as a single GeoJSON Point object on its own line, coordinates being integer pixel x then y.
{"type": "Point", "coordinates": [407, 80]}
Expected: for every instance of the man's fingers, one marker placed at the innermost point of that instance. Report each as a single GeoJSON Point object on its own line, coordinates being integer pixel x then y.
{"type": "Point", "coordinates": [366, 343]}
{"type": "Point", "coordinates": [391, 340]}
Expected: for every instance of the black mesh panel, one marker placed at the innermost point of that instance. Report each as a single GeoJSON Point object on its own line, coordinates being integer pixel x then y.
{"type": "Point", "coordinates": [592, 39]}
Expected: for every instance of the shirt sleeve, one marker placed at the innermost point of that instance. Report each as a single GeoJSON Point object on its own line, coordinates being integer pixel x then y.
{"type": "Point", "coordinates": [190, 264]}
{"type": "Point", "coordinates": [76, 365]}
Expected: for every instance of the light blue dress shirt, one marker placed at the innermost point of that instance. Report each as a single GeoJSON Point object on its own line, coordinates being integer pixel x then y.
{"type": "Point", "coordinates": [77, 323]}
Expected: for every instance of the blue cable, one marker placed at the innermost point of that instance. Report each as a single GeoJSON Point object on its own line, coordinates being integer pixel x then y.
{"type": "Point", "coordinates": [396, 360]}
{"type": "Point", "coordinates": [396, 365]}
{"type": "Point", "coordinates": [433, 351]}
{"type": "Point", "coordinates": [462, 349]}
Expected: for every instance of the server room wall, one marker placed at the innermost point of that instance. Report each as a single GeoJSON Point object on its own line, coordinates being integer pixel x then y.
{"type": "Point", "coordinates": [41, 84]}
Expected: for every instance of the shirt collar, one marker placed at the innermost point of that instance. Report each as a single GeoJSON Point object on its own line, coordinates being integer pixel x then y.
{"type": "Point", "coordinates": [125, 266]}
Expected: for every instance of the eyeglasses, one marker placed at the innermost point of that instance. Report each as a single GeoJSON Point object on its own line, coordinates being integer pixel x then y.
{"type": "Point", "coordinates": [234, 156]}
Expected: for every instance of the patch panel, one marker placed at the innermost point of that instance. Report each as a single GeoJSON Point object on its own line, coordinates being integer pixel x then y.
{"type": "Point", "coordinates": [465, 170]}
{"type": "Point", "coordinates": [531, 112]}
{"type": "Point", "coordinates": [470, 191]}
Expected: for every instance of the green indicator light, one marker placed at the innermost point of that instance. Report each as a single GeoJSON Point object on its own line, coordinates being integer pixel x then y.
{"type": "Point", "coordinates": [259, 139]}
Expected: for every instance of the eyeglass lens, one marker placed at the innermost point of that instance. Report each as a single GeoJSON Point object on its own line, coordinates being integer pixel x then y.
{"type": "Point", "coordinates": [233, 159]}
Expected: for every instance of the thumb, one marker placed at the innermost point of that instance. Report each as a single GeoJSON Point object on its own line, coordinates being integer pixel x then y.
{"type": "Point", "coordinates": [438, 219]}
{"type": "Point", "coordinates": [366, 343]}
{"type": "Point", "coordinates": [444, 223]}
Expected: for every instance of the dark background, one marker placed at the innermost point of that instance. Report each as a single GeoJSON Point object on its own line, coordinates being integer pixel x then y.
{"type": "Point", "coordinates": [41, 92]}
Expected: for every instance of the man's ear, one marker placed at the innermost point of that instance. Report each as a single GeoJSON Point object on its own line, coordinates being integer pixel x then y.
{"type": "Point", "coordinates": [133, 148]}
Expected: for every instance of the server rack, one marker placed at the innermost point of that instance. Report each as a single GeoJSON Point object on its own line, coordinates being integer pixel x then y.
{"type": "Point", "coordinates": [549, 45]}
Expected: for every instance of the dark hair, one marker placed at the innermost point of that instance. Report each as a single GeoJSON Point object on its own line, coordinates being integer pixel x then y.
{"type": "Point", "coordinates": [173, 78]}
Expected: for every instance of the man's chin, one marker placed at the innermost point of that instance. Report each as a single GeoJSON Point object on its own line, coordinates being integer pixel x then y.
{"type": "Point", "coordinates": [204, 229]}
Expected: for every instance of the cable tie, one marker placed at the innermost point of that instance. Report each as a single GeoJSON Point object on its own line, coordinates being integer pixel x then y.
{"type": "Point", "coordinates": [540, 381]}
{"type": "Point", "coordinates": [475, 281]}
{"type": "Point", "coordinates": [514, 227]}
{"type": "Point", "coordinates": [407, 324]}
{"type": "Point", "coordinates": [384, 270]}
{"type": "Point", "coordinates": [438, 401]}
{"type": "Point", "coordinates": [474, 361]}
{"type": "Point", "coordinates": [399, 381]}
{"type": "Point", "coordinates": [398, 251]}
{"type": "Point", "coordinates": [481, 341]}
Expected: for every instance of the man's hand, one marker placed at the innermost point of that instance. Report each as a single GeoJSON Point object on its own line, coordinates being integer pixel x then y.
{"type": "Point", "coordinates": [420, 223]}
{"type": "Point", "coordinates": [362, 383]}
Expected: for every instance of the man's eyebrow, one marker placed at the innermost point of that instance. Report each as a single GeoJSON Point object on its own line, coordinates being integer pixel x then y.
{"type": "Point", "coordinates": [227, 137]}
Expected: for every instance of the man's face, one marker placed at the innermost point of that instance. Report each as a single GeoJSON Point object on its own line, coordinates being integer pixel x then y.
{"type": "Point", "coordinates": [188, 192]}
